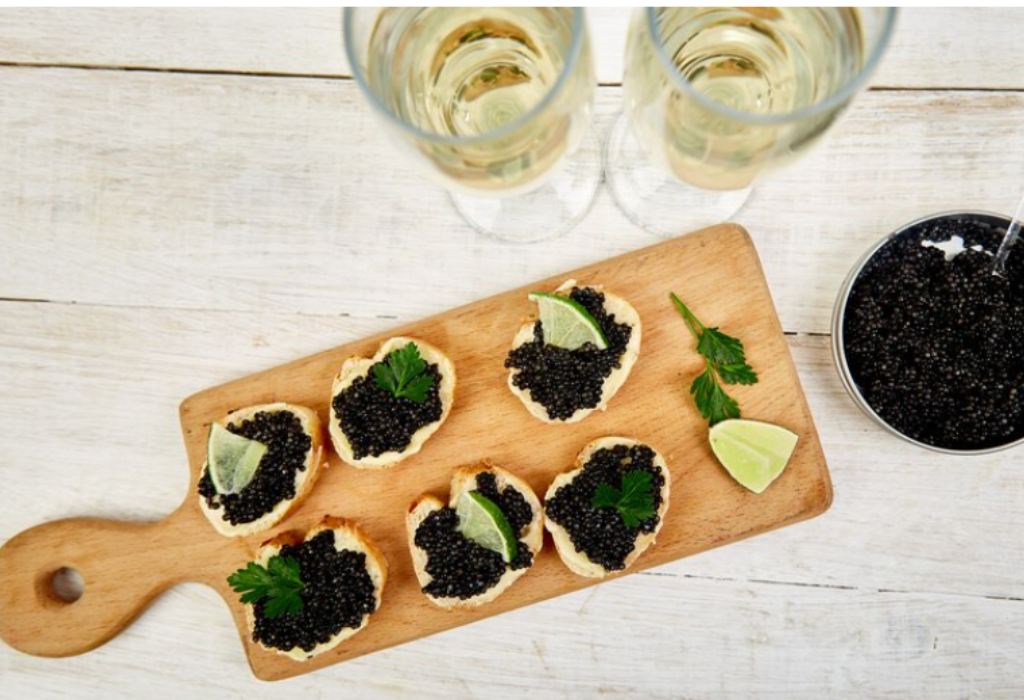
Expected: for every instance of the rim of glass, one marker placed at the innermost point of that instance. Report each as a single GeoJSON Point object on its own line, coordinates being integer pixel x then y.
{"type": "Point", "coordinates": [578, 34]}
{"type": "Point", "coordinates": [830, 102]}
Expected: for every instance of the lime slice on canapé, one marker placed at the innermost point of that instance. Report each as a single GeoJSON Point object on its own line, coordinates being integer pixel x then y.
{"type": "Point", "coordinates": [231, 459]}
{"type": "Point", "coordinates": [566, 324]}
{"type": "Point", "coordinates": [482, 521]}
{"type": "Point", "coordinates": [754, 453]}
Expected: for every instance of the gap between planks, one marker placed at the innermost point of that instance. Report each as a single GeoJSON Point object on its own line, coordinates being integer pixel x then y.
{"type": "Point", "coordinates": [829, 586]}
{"type": "Point", "coordinates": [313, 314]}
{"type": "Point", "coordinates": [348, 78]}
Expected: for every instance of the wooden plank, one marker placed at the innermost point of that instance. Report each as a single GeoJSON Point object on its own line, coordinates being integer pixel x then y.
{"type": "Point", "coordinates": [933, 47]}
{"type": "Point", "coordinates": [904, 519]}
{"type": "Point", "coordinates": [708, 508]}
{"type": "Point", "coordinates": [257, 195]}
{"type": "Point", "coordinates": [241, 40]}
{"type": "Point", "coordinates": [647, 636]}
{"type": "Point", "coordinates": [952, 47]}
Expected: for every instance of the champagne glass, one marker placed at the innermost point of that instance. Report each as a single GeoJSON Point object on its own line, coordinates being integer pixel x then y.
{"type": "Point", "coordinates": [718, 96]}
{"type": "Point", "coordinates": [492, 103]}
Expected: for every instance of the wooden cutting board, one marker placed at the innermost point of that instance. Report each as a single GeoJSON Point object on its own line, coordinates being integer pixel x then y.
{"type": "Point", "coordinates": [716, 271]}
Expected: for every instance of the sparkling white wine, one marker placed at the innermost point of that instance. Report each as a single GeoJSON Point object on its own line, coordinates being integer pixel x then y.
{"type": "Point", "coordinates": [470, 76]}
{"type": "Point", "coordinates": [760, 64]}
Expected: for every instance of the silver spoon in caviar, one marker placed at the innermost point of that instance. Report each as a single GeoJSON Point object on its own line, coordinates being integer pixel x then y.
{"type": "Point", "coordinates": [999, 264]}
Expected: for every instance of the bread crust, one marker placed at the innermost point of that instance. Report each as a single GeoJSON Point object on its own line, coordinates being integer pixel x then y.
{"type": "Point", "coordinates": [347, 535]}
{"type": "Point", "coordinates": [624, 313]}
{"type": "Point", "coordinates": [578, 562]}
{"type": "Point", "coordinates": [463, 480]}
{"type": "Point", "coordinates": [304, 479]}
{"type": "Point", "coordinates": [355, 367]}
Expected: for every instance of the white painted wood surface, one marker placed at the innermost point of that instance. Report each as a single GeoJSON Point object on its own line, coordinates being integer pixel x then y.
{"type": "Point", "coordinates": [935, 47]}
{"type": "Point", "coordinates": [248, 185]}
{"type": "Point", "coordinates": [164, 231]}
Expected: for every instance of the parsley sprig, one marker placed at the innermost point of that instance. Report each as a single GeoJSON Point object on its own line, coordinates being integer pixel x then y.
{"type": "Point", "coordinates": [279, 584]}
{"type": "Point", "coordinates": [633, 501]}
{"type": "Point", "coordinates": [403, 374]}
{"type": "Point", "coordinates": [725, 362]}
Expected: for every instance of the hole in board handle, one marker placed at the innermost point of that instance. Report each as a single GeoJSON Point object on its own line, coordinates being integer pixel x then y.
{"type": "Point", "coordinates": [67, 585]}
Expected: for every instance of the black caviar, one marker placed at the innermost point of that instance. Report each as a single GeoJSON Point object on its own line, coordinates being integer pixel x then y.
{"type": "Point", "coordinates": [338, 593]}
{"type": "Point", "coordinates": [936, 347]}
{"type": "Point", "coordinates": [599, 532]}
{"type": "Point", "coordinates": [459, 567]}
{"type": "Point", "coordinates": [274, 480]}
{"type": "Point", "coordinates": [564, 381]}
{"type": "Point", "coordinates": [375, 421]}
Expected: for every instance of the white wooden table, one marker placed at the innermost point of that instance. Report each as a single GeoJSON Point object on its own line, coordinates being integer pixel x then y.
{"type": "Point", "coordinates": [190, 196]}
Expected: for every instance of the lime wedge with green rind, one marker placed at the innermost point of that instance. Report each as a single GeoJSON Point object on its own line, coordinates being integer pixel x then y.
{"type": "Point", "coordinates": [481, 520]}
{"type": "Point", "coordinates": [754, 453]}
{"type": "Point", "coordinates": [566, 324]}
{"type": "Point", "coordinates": [231, 459]}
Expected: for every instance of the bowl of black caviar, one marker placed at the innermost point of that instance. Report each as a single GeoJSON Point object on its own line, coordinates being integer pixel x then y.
{"type": "Point", "coordinates": [929, 343]}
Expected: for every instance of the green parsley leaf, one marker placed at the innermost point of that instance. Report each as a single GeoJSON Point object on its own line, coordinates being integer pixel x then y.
{"type": "Point", "coordinates": [713, 403]}
{"type": "Point", "coordinates": [720, 348]}
{"type": "Point", "coordinates": [402, 374]}
{"type": "Point", "coordinates": [737, 374]}
{"type": "Point", "coordinates": [633, 501]}
{"type": "Point", "coordinates": [417, 389]}
{"type": "Point", "coordinates": [278, 585]}
{"type": "Point", "coordinates": [724, 359]}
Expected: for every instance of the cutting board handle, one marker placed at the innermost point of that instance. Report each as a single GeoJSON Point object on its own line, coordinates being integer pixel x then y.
{"type": "Point", "coordinates": [123, 566]}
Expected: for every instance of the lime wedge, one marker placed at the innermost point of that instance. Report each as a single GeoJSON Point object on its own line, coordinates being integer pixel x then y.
{"type": "Point", "coordinates": [231, 459]}
{"type": "Point", "coordinates": [753, 453]}
{"type": "Point", "coordinates": [482, 521]}
{"type": "Point", "coordinates": [566, 324]}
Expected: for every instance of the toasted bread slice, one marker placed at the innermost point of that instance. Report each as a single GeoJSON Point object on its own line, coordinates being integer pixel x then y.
{"type": "Point", "coordinates": [464, 480]}
{"type": "Point", "coordinates": [624, 313]}
{"type": "Point", "coordinates": [577, 561]}
{"type": "Point", "coordinates": [347, 535]}
{"type": "Point", "coordinates": [304, 479]}
{"type": "Point", "coordinates": [355, 367]}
